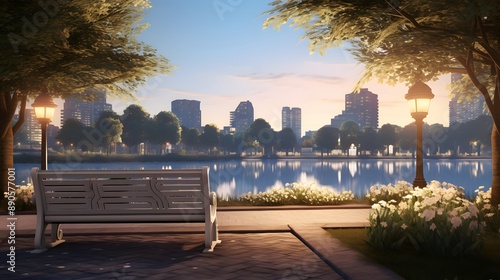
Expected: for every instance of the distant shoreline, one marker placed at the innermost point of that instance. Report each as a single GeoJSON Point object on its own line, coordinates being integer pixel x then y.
{"type": "Point", "coordinates": [61, 158]}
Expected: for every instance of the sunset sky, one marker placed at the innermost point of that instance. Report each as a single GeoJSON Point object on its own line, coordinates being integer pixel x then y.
{"type": "Point", "coordinates": [224, 56]}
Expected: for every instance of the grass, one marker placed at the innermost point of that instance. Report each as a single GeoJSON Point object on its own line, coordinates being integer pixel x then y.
{"type": "Point", "coordinates": [412, 266]}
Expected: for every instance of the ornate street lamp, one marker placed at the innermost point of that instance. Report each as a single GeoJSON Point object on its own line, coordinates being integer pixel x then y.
{"type": "Point", "coordinates": [44, 108]}
{"type": "Point", "coordinates": [419, 98]}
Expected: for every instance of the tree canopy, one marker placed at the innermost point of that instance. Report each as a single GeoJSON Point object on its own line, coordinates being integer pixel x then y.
{"type": "Point", "coordinates": [404, 41]}
{"type": "Point", "coordinates": [326, 138]}
{"type": "Point", "coordinates": [66, 47]}
{"type": "Point", "coordinates": [63, 48]}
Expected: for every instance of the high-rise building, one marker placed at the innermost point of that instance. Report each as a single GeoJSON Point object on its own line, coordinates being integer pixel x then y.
{"type": "Point", "coordinates": [33, 129]}
{"type": "Point", "coordinates": [292, 118]}
{"type": "Point", "coordinates": [465, 110]}
{"type": "Point", "coordinates": [86, 112]}
{"type": "Point", "coordinates": [188, 112]}
{"type": "Point", "coordinates": [361, 108]}
{"type": "Point", "coordinates": [242, 117]}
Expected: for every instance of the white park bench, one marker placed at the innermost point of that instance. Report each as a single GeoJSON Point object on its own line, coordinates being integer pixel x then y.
{"type": "Point", "coordinates": [122, 196]}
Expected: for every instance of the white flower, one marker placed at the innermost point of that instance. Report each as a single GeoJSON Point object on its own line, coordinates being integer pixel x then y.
{"type": "Point", "coordinates": [489, 215]}
{"type": "Point", "coordinates": [428, 214]}
{"type": "Point", "coordinates": [466, 215]}
{"type": "Point", "coordinates": [383, 224]}
{"type": "Point", "coordinates": [404, 226]}
{"type": "Point", "coordinates": [474, 225]}
{"type": "Point", "coordinates": [433, 226]}
{"type": "Point", "coordinates": [456, 222]}
{"type": "Point", "coordinates": [376, 207]}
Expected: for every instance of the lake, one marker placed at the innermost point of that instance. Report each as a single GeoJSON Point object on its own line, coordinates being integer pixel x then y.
{"type": "Point", "coordinates": [232, 178]}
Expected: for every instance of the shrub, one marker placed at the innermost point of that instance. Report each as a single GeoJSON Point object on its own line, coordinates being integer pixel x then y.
{"type": "Point", "coordinates": [488, 213]}
{"type": "Point", "coordinates": [389, 192]}
{"type": "Point", "coordinates": [23, 198]}
{"type": "Point", "coordinates": [437, 219]}
{"type": "Point", "coordinates": [298, 194]}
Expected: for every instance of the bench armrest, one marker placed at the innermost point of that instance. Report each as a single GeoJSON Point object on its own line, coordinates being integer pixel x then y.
{"type": "Point", "coordinates": [213, 199]}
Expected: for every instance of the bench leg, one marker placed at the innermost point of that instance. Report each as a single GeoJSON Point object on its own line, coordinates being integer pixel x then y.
{"type": "Point", "coordinates": [56, 235]}
{"type": "Point", "coordinates": [211, 236]}
{"type": "Point", "coordinates": [40, 245]}
{"type": "Point", "coordinates": [40, 242]}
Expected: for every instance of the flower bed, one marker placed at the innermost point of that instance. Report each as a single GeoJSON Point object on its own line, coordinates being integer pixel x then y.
{"type": "Point", "coordinates": [298, 194]}
{"type": "Point", "coordinates": [437, 219]}
{"type": "Point", "coordinates": [23, 198]}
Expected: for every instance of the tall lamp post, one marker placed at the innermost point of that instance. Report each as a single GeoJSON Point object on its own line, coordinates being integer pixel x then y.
{"type": "Point", "coordinates": [419, 98]}
{"type": "Point", "coordinates": [44, 110]}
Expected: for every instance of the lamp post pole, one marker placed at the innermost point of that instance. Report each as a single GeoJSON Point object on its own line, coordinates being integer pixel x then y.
{"type": "Point", "coordinates": [419, 172]}
{"type": "Point", "coordinates": [419, 98]}
{"type": "Point", "coordinates": [44, 157]}
{"type": "Point", "coordinates": [44, 110]}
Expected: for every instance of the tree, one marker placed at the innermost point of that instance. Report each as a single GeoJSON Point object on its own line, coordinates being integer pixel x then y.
{"type": "Point", "coordinates": [287, 139]}
{"type": "Point", "coordinates": [134, 120]}
{"type": "Point", "coordinates": [387, 136]}
{"type": "Point", "coordinates": [227, 143]}
{"type": "Point", "coordinates": [164, 128]}
{"type": "Point", "coordinates": [326, 138]}
{"type": "Point", "coordinates": [434, 137]}
{"type": "Point", "coordinates": [72, 134]}
{"type": "Point", "coordinates": [210, 137]}
{"type": "Point", "coordinates": [405, 41]}
{"type": "Point", "coordinates": [104, 115]}
{"type": "Point", "coordinates": [369, 141]}
{"type": "Point", "coordinates": [479, 129]}
{"type": "Point", "coordinates": [260, 130]}
{"type": "Point", "coordinates": [349, 135]}
{"type": "Point", "coordinates": [190, 137]}
{"type": "Point", "coordinates": [408, 138]}
{"type": "Point", "coordinates": [111, 129]}
{"type": "Point", "coordinates": [66, 47]}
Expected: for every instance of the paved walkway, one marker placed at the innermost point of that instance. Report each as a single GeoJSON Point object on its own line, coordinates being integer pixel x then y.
{"type": "Point", "coordinates": [263, 244]}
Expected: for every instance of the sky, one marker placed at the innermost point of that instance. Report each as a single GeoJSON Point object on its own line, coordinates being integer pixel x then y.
{"type": "Point", "coordinates": [223, 56]}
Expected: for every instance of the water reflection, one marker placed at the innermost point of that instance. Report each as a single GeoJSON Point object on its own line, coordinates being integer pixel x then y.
{"type": "Point", "coordinates": [235, 177]}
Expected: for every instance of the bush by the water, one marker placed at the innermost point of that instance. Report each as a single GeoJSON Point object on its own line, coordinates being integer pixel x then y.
{"type": "Point", "coordinates": [298, 194]}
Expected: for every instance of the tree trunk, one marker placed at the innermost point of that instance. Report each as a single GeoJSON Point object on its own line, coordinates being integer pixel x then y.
{"type": "Point", "coordinates": [495, 164]}
{"type": "Point", "coordinates": [6, 159]}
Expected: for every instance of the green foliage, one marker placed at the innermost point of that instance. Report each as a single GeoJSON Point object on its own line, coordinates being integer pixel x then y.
{"type": "Point", "coordinates": [326, 138]}
{"type": "Point", "coordinates": [349, 134]}
{"type": "Point", "coordinates": [71, 132]}
{"type": "Point", "coordinates": [287, 139]}
{"type": "Point", "coordinates": [134, 120]}
{"type": "Point", "coordinates": [190, 137]}
{"type": "Point", "coordinates": [210, 136]}
{"type": "Point", "coordinates": [260, 130]}
{"type": "Point", "coordinates": [400, 41]}
{"type": "Point", "coordinates": [165, 127]}
{"type": "Point", "coordinates": [111, 129]}
{"type": "Point", "coordinates": [386, 230]}
{"type": "Point", "coordinates": [66, 47]}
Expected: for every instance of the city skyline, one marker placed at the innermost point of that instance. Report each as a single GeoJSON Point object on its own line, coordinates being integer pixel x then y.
{"type": "Point", "coordinates": [224, 57]}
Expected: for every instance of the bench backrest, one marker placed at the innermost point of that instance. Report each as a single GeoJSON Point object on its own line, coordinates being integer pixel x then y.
{"type": "Point", "coordinates": [122, 192]}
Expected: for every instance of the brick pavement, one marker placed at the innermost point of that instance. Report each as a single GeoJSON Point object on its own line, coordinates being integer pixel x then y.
{"type": "Point", "coordinates": [168, 256]}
